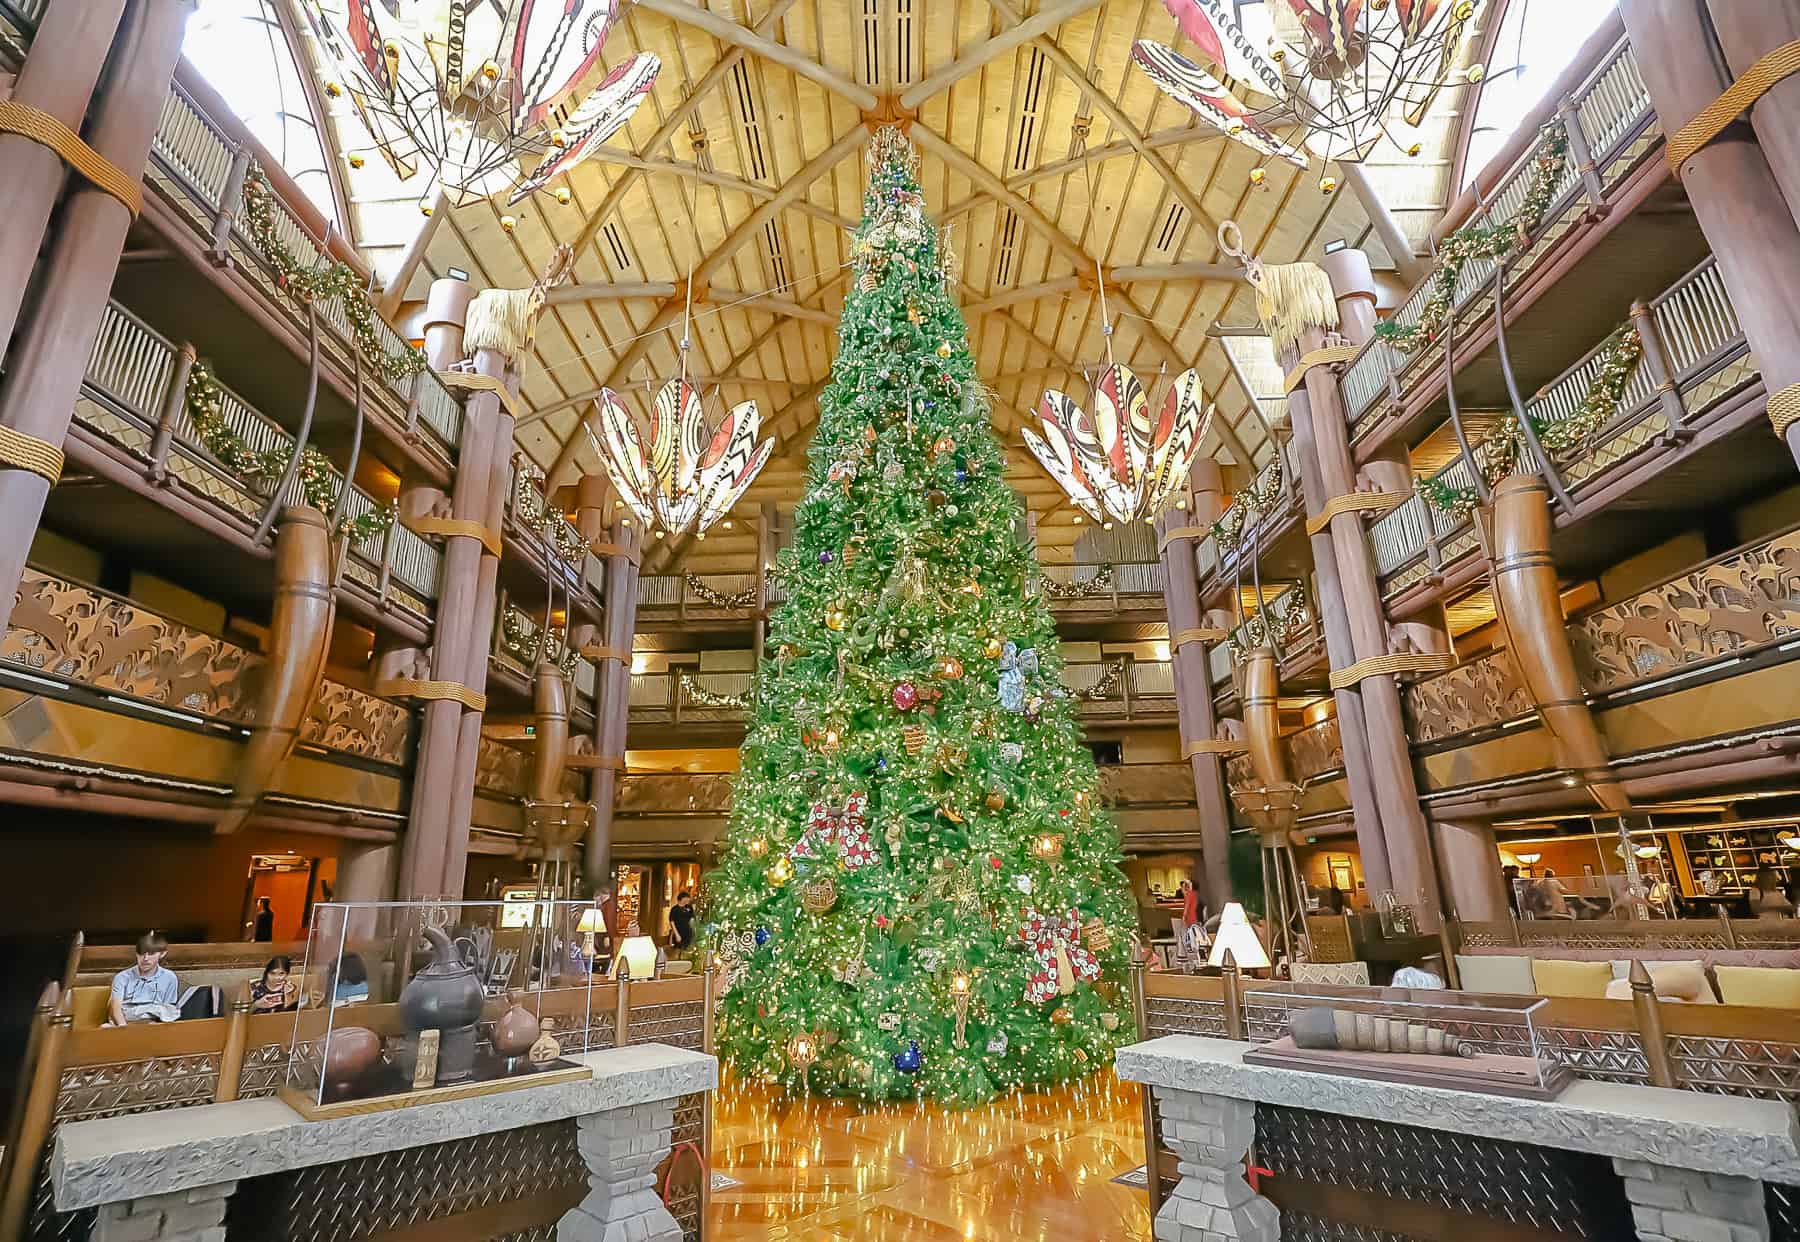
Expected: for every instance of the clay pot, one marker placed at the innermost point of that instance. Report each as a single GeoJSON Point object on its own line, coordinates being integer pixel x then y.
{"type": "Point", "coordinates": [446, 997]}
{"type": "Point", "coordinates": [516, 1030]}
{"type": "Point", "coordinates": [349, 1054]}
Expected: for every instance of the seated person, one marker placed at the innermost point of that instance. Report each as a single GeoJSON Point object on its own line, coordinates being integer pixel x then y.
{"type": "Point", "coordinates": [148, 991]}
{"type": "Point", "coordinates": [276, 990]}
{"type": "Point", "coordinates": [350, 982]}
{"type": "Point", "coordinates": [1767, 900]}
{"type": "Point", "coordinates": [1427, 973]}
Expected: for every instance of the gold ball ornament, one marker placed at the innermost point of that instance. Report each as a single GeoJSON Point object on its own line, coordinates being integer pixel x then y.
{"type": "Point", "coordinates": [780, 871]}
{"type": "Point", "coordinates": [562, 195]}
{"type": "Point", "coordinates": [355, 161]}
{"type": "Point", "coordinates": [1109, 1020]}
{"type": "Point", "coordinates": [818, 895]}
{"type": "Point", "coordinates": [1061, 1016]}
{"type": "Point", "coordinates": [758, 848]}
{"type": "Point", "coordinates": [802, 1051]}
{"type": "Point", "coordinates": [835, 619]}
{"type": "Point", "coordinates": [944, 350]}
{"type": "Point", "coordinates": [996, 800]}
{"type": "Point", "coordinates": [992, 648]}
{"type": "Point", "coordinates": [1258, 176]}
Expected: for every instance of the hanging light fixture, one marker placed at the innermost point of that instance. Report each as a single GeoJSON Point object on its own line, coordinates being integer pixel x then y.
{"type": "Point", "coordinates": [480, 98]}
{"type": "Point", "coordinates": [1339, 69]}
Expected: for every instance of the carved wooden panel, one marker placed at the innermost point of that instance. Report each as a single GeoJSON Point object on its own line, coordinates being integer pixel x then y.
{"type": "Point", "coordinates": [501, 768]}
{"type": "Point", "coordinates": [64, 629]}
{"type": "Point", "coordinates": [1481, 692]}
{"type": "Point", "coordinates": [1722, 609]}
{"type": "Point", "coordinates": [1316, 749]}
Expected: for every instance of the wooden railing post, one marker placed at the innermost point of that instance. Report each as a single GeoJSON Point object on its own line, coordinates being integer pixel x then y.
{"type": "Point", "coordinates": [1656, 363]}
{"type": "Point", "coordinates": [1231, 985]}
{"type": "Point", "coordinates": [1568, 113]}
{"type": "Point", "coordinates": [237, 1035]}
{"type": "Point", "coordinates": [1650, 1028]}
{"type": "Point", "coordinates": [1152, 1145]}
{"type": "Point", "coordinates": [710, 973]}
{"type": "Point", "coordinates": [37, 1111]}
{"type": "Point", "coordinates": [622, 1007]}
{"type": "Point", "coordinates": [387, 562]}
{"type": "Point", "coordinates": [174, 398]}
{"type": "Point", "coordinates": [230, 199]}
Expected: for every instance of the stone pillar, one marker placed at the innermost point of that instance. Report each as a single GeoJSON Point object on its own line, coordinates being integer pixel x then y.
{"type": "Point", "coordinates": [1746, 33]}
{"type": "Point", "coordinates": [1729, 183]}
{"type": "Point", "coordinates": [196, 1215]}
{"type": "Point", "coordinates": [1469, 866]}
{"type": "Point", "coordinates": [1210, 1135]}
{"type": "Point", "coordinates": [612, 700]}
{"type": "Point", "coordinates": [1188, 652]}
{"type": "Point", "coordinates": [1396, 792]}
{"type": "Point", "coordinates": [58, 78]}
{"type": "Point", "coordinates": [1687, 1206]}
{"type": "Point", "coordinates": [622, 1149]}
{"type": "Point", "coordinates": [1340, 650]}
{"type": "Point", "coordinates": [49, 358]}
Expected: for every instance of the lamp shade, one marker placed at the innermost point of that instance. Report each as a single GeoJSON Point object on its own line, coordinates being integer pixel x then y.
{"type": "Point", "coordinates": [593, 919]}
{"type": "Point", "coordinates": [1236, 934]}
{"type": "Point", "coordinates": [637, 956]}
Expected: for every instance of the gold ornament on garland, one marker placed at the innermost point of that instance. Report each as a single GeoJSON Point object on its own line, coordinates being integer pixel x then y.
{"type": "Point", "coordinates": [205, 401]}
{"type": "Point", "coordinates": [334, 281]}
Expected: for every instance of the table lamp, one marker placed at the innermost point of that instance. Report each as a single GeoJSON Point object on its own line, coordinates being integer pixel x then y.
{"type": "Point", "coordinates": [593, 920]}
{"type": "Point", "coordinates": [1236, 934]}
{"type": "Point", "coordinates": [637, 958]}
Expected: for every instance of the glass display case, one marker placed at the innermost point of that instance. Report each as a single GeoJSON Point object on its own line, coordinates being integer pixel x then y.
{"type": "Point", "coordinates": [406, 1002]}
{"type": "Point", "coordinates": [1470, 1041]}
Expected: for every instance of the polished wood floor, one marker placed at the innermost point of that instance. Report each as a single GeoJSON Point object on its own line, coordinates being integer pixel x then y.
{"type": "Point", "coordinates": [1027, 1167]}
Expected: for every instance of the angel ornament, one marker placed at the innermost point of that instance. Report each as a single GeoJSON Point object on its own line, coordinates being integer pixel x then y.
{"type": "Point", "coordinates": [1015, 667]}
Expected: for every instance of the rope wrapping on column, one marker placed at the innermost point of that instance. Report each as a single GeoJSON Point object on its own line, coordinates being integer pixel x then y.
{"type": "Point", "coordinates": [45, 130]}
{"type": "Point", "coordinates": [451, 528]}
{"type": "Point", "coordinates": [1755, 82]}
{"type": "Point", "coordinates": [1353, 502]}
{"type": "Point", "coordinates": [1784, 408]}
{"type": "Point", "coordinates": [24, 452]}
{"type": "Point", "coordinates": [1196, 634]}
{"type": "Point", "coordinates": [1214, 746]}
{"type": "Point", "coordinates": [1327, 355]}
{"type": "Point", "coordinates": [1390, 664]}
{"type": "Point", "coordinates": [413, 688]}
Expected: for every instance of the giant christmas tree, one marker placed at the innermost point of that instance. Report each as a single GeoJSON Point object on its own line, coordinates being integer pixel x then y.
{"type": "Point", "coordinates": [919, 894]}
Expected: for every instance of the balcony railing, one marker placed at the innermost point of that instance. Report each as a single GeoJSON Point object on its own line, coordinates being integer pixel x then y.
{"type": "Point", "coordinates": [519, 642]}
{"type": "Point", "coordinates": [1696, 619]}
{"type": "Point", "coordinates": [201, 173]}
{"type": "Point", "coordinates": [129, 399]}
{"type": "Point", "coordinates": [552, 538]}
{"type": "Point", "coordinates": [1288, 622]}
{"type": "Point", "coordinates": [116, 648]}
{"type": "Point", "coordinates": [1255, 522]}
{"type": "Point", "coordinates": [1708, 361]}
{"type": "Point", "coordinates": [1616, 123]}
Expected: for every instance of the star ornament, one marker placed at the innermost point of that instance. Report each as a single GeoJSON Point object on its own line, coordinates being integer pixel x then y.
{"type": "Point", "coordinates": [685, 479]}
{"type": "Point", "coordinates": [1116, 463]}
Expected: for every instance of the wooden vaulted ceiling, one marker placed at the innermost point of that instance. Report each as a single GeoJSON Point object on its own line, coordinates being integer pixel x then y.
{"type": "Point", "coordinates": [1044, 152]}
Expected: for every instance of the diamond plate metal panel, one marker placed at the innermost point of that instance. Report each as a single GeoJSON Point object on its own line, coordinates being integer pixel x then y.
{"type": "Point", "coordinates": [1486, 1178]}
{"type": "Point", "coordinates": [1783, 1203]}
{"type": "Point", "coordinates": [1298, 1226]}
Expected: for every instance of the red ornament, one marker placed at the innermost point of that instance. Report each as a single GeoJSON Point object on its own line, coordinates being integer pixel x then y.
{"type": "Point", "coordinates": [906, 696]}
{"type": "Point", "coordinates": [994, 861]}
{"type": "Point", "coordinates": [881, 920]}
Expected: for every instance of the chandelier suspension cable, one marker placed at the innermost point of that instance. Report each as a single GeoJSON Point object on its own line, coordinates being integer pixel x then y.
{"type": "Point", "coordinates": [691, 202]}
{"type": "Point", "coordinates": [1106, 332]}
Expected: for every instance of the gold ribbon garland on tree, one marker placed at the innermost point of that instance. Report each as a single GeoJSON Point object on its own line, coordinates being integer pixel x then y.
{"type": "Point", "coordinates": [1481, 241]}
{"type": "Point", "coordinates": [307, 283]}
{"type": "Point", "coordinates": [318, 483]}
{"type": "Point", "coordinates": [1500, 452]}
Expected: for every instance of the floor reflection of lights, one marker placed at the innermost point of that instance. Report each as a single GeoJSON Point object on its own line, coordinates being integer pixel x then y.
{"type": "Point", "coordinates": [1031, 1167]}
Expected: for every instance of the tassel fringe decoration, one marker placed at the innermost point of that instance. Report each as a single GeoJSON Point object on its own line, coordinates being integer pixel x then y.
{"type": "Point", "coordinates": [503, 320]}
{"type": "Point", "coordinates": [1292, 297]}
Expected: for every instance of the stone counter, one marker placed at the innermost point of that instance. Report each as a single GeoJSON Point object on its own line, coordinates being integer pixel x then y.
{"type": "Point", "coordinates": [1692, 1164]}
{"type": "Point", "coordinates": [166, 1163]}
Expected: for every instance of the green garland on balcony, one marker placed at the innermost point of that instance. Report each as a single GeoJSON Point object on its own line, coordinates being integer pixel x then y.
{"type": "Point", "coordinates": [206, 411]}
{"type": "Point", "coordinates": [1481, 241]}
{"type": "Point", "coordinates": [1497, 455]}
{"type": "Point", "coordinates": [1263, 491]}
{"type": "Point", "coordinates": [307, 283]}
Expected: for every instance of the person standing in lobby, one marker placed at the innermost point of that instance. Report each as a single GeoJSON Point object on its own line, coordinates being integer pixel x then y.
{"type": "Point", "coordinates": [681, 921]}
{"type": "Point", "coordinates": [264, 930]}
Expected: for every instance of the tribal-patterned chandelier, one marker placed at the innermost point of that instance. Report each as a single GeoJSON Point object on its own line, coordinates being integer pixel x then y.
{"type": "Point", "coordinates": [1340, 71]}
{"type": "Point", "coordinates": [480, 96]}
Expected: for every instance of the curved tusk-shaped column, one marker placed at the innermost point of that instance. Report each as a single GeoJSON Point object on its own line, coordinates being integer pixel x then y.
{"type": "Point", "coordinates": [1262, 716]}
{"type": "Point", "coordinates": [550, 706]}
{"type": "Point", "coordinates": [1530, 607]}
{"type": "Point", "coordinates": [299, 635]}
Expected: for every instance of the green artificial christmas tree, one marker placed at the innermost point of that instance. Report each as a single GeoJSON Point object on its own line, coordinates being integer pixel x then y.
{"type": "Point", "coordinates": [920, 893]}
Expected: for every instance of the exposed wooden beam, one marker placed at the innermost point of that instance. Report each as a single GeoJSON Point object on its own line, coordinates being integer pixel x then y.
{"type": "Point", "coordinates": [722, 27]}
{"type": "Point", "coordinates": [1180, 136]}
{"type": "Point", "coordinates": [712, 177]}
{"type": "Point", "coordinates": [671, 312]}
{"type": "Point", "coordinates": [1153, 272]}
{"type": "Point", "coordinates": [1045, 21]}
{"type": "Point", "coordinates": [603, 292]}
{"type": "Point", "coordinates": [1412, 269]}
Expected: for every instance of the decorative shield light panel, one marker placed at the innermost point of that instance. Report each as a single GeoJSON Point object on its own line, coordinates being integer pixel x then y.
{"type": "Point", "coordinates": [1116, 463]}
{"type": "Point", "coordinates": [1340, 70]}
{"type": "Point", "coordinates": [480, 95]}
{"type": "Point", "coordinates": [685, 479]}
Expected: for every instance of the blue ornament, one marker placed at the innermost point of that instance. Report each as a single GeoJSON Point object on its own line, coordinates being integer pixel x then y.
{"type": "Point", "coordinates": [881, 763]}
{"type": "Point", "coordinates": [909, 1059]}
{"type": "Point", "coordinates": [962, 476]}
{"type": "Point", "coordinates": [762, 935]}
{"type": "Point", "coordinates": [826, 557]}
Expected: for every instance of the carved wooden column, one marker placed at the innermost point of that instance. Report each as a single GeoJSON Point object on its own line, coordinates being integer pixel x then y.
{"type": "Point", "coordinates": [50, 356]}
{"type": "Point", "coordinates": [1340, 650]}
{"type": "Point", "coordinates": [612, 698]}
{"type": "Point", "coordinates": [494, 365]}
{"type": "Point", "coordinates": [1469, 866]}
{"type": "Point", "coordinates": [1177, 533]}
{"type": "Point", "coordinates": [1747, 33]}
{"type": "Point", "coordinates": [57, 79]}
{"type": "Point", "coordinates": [1403, 822]}
{"type": "Point", "coordinates": [1729, 182]}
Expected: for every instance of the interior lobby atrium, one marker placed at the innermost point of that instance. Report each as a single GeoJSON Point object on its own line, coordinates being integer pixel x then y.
{"type": "Point", "coordinates": [900, 620]}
